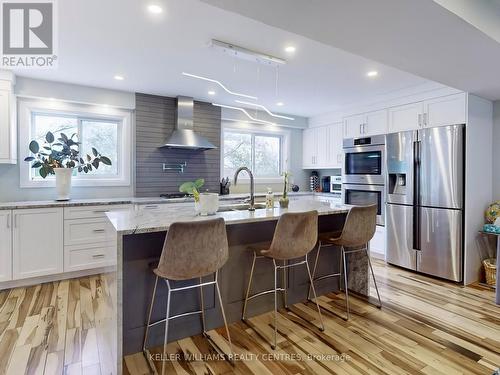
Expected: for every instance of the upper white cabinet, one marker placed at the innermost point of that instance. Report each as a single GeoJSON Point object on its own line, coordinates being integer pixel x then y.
{"type": "Point", "coordinates": [446, 110]}
{"type": "Point", "coordinates": [322, 147]}
{"type": "Point", "coordinates": [5, 245]}
{"type": "Point", "coordinates": [406, 117]}
{"type": "Point", "coordinates": [8, 125]}
{"type": "Point", "coordinates": [366, 124]}
{"type": "Point", "coordinates": [309, 147]}
{"type": "Point", "coordinates": [37, 242]}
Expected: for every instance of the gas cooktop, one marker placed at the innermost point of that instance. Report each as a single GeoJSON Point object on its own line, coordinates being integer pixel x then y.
{"type": "Point", "coordinates": [173, 195]}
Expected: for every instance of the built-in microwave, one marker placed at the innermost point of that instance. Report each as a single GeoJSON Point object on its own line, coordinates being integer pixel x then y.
{"type": "Point", "coordinates": [364, 195]}
{"type": "Point", "coordinates": [364, 160]}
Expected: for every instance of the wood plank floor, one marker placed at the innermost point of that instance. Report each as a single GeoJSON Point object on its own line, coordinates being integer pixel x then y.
{"type": "Point", "coordinates": [426, 326]}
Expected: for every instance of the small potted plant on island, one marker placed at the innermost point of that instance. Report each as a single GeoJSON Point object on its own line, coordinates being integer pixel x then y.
{"type": "Point", "coordinates": [284, 198]}
{"type": "Point", "coordinates": [60, 157]}
{"type": "Point", "coordinates": [204, 203]}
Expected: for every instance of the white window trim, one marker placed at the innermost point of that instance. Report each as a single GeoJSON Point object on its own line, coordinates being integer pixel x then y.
{"type": "Point", "coordinates": [251, 128]}
{"type": "Point", "coordinates": [28, 107]}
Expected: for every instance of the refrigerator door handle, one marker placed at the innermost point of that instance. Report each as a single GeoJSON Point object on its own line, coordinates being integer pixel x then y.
{"type": "Point", "coordinates": [416, 195]}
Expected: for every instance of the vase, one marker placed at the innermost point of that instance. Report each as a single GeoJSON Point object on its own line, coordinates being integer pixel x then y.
{"type": "Point", "coordinates": [209, 203]}
{"type": "Point", "coordinates": [63, 183]}
{"type": "Point", "coordinates": [284, 202]}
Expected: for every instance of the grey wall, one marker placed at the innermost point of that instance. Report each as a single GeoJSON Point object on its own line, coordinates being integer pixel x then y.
{"type": "Point", "coordinates": [155, 121]}
{"type": "Point", "coordinates": [496, 150]}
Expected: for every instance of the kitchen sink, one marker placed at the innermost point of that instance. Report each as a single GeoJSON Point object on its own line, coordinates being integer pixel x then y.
{"type": "Point", "coordinates": [240, 207]}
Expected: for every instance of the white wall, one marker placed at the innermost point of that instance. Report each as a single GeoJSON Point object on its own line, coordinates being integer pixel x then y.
{"type": "Point", "coordinates": [496, 150]}
{"type": "Point", "coordinates": [9, 174]}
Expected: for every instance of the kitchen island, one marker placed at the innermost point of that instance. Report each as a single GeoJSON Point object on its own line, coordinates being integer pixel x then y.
{"type": "Point", "coordinates": [141, 234]}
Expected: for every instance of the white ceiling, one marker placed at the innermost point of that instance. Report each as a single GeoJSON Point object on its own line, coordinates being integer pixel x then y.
{"type": "Point", "coordinates": [98, 39]}
{"type": "Point", "coordinates": [456, 46]}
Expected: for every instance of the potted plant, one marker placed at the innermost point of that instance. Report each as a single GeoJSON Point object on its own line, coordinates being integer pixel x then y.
{"type": "Point", "coordinates": [204, 203]}
{"type": "Point", "coordinates": [284, 198]}
{"type": "Point", "coordinates": [60, 157]}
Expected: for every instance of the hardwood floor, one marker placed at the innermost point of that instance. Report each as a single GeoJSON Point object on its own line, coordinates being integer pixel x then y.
{"type": "Point", "coordinates": [59, 327]}
{"type": "Point", "coordinates": [426, 326]}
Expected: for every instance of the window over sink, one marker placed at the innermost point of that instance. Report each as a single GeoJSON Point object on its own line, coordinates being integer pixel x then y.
{"type": "Point", "coordinates": [106, 129]}
{"type": "Point", "coordinates": [262, 152]}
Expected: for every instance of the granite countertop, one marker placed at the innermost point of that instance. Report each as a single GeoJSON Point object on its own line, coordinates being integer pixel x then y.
{"type": "Point", "coordinates": [135, 221]}
{"type": "Point", "coordinates": [129, 200]}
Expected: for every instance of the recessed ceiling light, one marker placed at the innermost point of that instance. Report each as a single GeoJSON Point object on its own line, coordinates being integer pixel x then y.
{"type": "Point", "coordinates": [280, 104]}
{"type": "Point", "coordinates": [211, 92]}
{"type": "Point", "coordinates": [290, 49]}
{"type": "Point", "coordinates": [119, 77]}
{"type": "Point", "coordinates": [155, 9]}
{"type": "Point", "coordinates": [372, 73]}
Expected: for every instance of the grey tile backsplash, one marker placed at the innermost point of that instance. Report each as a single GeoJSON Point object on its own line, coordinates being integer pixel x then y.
{"type": "Point", "coordinates": [155, 121]}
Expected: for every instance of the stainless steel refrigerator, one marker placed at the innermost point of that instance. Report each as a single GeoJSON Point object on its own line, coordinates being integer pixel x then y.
{"type": "Point", "coordinates": [424, 206]}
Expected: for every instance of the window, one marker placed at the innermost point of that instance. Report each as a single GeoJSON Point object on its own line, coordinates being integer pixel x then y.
{"type": "Point", "coordinates": [107, 130]}
{"type": "Point", "coordinates": [262, 153]}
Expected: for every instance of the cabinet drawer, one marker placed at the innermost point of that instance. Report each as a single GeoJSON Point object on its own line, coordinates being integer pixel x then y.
{"type": "Point", "coordinates": [83, 257]}
{"type": "Point", "coordinates": [92, 212]}
{"type": "Point", "coordinates": [85, 231]}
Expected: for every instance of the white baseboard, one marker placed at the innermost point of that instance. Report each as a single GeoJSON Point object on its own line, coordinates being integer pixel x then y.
{"type": "Point", "coordinates": [50, 278]}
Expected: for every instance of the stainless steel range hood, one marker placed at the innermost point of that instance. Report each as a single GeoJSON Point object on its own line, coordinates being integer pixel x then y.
{"type": "Point", "coordinates": [184, 136]}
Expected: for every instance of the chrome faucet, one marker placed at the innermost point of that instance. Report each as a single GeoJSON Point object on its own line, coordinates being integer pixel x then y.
{"type": "Point", "coordinates": [252, 186]}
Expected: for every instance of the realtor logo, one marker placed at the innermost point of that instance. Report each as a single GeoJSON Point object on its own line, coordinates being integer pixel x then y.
{"type": "Point", "coordinates": [28, 34]}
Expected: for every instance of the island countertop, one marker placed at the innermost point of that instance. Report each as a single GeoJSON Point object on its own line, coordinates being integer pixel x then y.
{"type": "Point", "coordinates": [135, 221]}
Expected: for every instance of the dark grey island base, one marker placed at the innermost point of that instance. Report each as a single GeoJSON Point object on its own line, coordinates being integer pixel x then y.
{"type": "Point", "coordinates": [142, 251]}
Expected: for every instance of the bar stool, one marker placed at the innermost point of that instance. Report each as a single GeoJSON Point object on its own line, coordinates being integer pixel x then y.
{"type": "Point", "coordinates": [358, 230]}
{"type": "Point", "coordinates": [295, 236]}
{"type": "Point", "coordinates": [191, 250]}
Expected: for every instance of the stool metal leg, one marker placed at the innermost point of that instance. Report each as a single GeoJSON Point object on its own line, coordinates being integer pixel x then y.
{"type": "Point", "coordinates": [322, 327]}
{"type": "Point", "coordinates": [202, 302]}
{"type": "Point", "coordinates": [275, 305]}
{"type": "Point", "coordinates": [346, 285]}
{"type": "Point", "coordinates": [243, 316]}
{"type": "Point", "coordinates": [224, 316]}
{"type": "Point", "coordinates": [149, 315]}
{"type": "Point", "coordinates": [165, 340]}
{"type": "Point", "coordinates": [314, 269]}
{"type": "Point", "coordinates": [373, 276]}
{"type": "Point", "coordinates": [285, 284]}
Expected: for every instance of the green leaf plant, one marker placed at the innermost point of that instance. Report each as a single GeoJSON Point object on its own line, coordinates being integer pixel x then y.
{"type": "Point", "coordinates": [192, 188]}
{"type": "Point", "coordinates": [63, 152]}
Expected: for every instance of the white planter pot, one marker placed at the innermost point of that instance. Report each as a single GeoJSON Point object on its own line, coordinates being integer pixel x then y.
{"type": "Point", "coordinates": [208, 204]}
{"type": "Point", "coordinates": [63, 183]}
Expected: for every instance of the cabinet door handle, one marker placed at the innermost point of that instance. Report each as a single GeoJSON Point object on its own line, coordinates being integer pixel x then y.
{"type": "Point", "coordinates": [96, 256]}
{"type": "Point", "coordinates": [360, 128]}
{"type": "Point", "coordinates": [99, 230]}
{"type": "Point", "coordinates": [150, 206]}
{"type": "Point", "coordinates": [8, 221]}
{"type": "Point", "coordinates": [100, 211]}
{"type": "Point", "coordinates": [15, 221]}
{"type": "Point", "coordinates": [425, 119]}
{"type": "Point", "coordinates": [420, 119]}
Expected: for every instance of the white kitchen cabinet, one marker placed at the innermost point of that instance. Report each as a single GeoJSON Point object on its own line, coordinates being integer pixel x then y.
{"type": "Point", "coordinates": [353, 126]}
{"type": "Point", "coordinates": [8, 132]}
{"type": "Point", "coordinates": [309, 147]}
{"type": "Point", "coordinates": [443, 111]}
{"type": "Point", "coordinates": [322, 150]}
{"type": "Point", "coordinates": [37, 242]}
{"type": "Point", "coordinates": [5, 245]}
{"type": "Point", "coordinates": [447, 110]}
{"type": "Point", "coordinates": [406, 117]}
{"type": "Point", "coordinates": [335, 145]}
{"type": "Point", "coordinates": [366, 124]}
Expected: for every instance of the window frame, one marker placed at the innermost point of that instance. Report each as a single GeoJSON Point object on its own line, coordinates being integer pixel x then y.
{"type": "Point", "coordinates": [29, 108]}
{"type": "Point", "coordinates": [258, 130]}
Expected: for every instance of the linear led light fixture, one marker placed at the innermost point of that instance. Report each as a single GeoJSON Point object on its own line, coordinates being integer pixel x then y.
{"type": "Point", "coordinates": [245, 112]}
{"type": "Point", "coordinates": [220, 84]}
{"type": "Point", "coordinates": [265, 109]}
{"type": "Point", "coordinates": [247, 54]}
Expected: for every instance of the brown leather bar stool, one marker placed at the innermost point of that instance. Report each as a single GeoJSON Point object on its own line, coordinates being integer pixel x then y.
{"type": "Point", "coordinates": [191, 250]}
{"type": "Point", "coordinates": [358, 230]}
{"type": "Point", "coordinates": [295, 236]}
